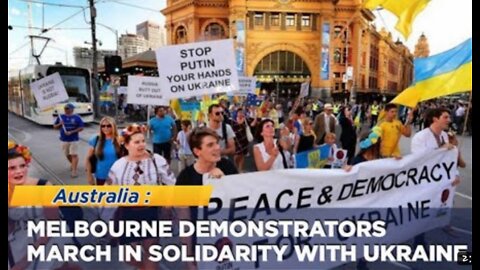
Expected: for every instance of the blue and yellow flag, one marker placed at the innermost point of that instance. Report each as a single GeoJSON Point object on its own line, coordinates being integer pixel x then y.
{"type": "Point", "coordinates": [405, 10]}
{"type": "Point", "coordinates": [443, 74]}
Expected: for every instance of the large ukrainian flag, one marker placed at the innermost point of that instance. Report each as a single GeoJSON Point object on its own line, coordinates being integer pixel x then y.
{"type": "Point", "coordinates": [443, 74]}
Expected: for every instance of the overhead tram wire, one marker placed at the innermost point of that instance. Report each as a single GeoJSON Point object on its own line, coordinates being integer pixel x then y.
{"type": "Point", "coordinates": [52, 4]}
{"type": "Point", "coordinates": [48, 29]}
{"type": "Point", "coordinates": [131, 5]}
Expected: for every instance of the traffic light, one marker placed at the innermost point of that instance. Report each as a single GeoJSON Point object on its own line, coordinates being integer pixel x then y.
{"type": "Point", "coordinates": [113, 64]}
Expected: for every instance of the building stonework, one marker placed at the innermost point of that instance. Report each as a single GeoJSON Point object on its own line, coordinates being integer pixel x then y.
{"type": "Point", "coordinates": [288, 42]}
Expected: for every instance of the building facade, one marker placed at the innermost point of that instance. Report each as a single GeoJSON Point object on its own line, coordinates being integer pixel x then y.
{"type": "Point", "coordinates": [331, 43]}
{"type": "Point", "coordinates": [131, 44]}
{"type": "Point", "coordinates": [153, 33]}
{"type": "Point", "coordinates": [83, 57]}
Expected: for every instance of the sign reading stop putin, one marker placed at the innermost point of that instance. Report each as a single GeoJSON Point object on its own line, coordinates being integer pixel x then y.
{"type": "Point", "coordinates": [197, 69]}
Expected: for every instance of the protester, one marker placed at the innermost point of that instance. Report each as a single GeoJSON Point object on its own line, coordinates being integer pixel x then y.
{"type": "Point", "coordinates": [19, 158]}
{"type": "Point", "coordinates": [185, 154]}
{"type": "Point", "coordinates": [139, 167]}
{"type": "Point", "coordinates": [392, 130]}
{"type": "Point", "coordinates": [330, 140]}
{"type": "Point", "coordinates": [106, 148]}
{"type": "Point", "coordinates": [164, 132]}
{"type": "Point", "coordinates": [306, 140]}
{"type": "Point", "coordinates": [243, 136]}
{"type": "Point", "coordinates": [431, 138]}
{"type": "Point", "coordinates": [324, 123]}
{"type": "Point", "coordinates": [270, 154]}
{"type": "Point", "coordinates": [204, 143]}
{"type": "Point", "coordinates": [224, 130]}
{"type": "Point", "coordinates": [348, 137]}
{"type": "Point", "coordinates": [70, 126]}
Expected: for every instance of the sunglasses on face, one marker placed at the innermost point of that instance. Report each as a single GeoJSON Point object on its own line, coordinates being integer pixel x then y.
{"type": "Point", "coordinates": [218, 113]}
{"type": "Point", "coordinates": [108, 125]}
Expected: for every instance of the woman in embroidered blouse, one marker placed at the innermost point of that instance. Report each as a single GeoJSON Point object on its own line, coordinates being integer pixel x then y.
{"type": "Point", "coordinates": [139, 167]}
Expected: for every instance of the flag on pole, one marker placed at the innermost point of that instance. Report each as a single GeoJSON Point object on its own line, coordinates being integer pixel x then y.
{"type": "Point", "coordinates": [443, 74]}
{"type": "Point", "coordinates": [405, 10]}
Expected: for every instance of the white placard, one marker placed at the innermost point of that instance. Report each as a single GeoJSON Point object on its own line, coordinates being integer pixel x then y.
{"type": "Point", "coordinates": [304, 89]}
{"type": "Point", "coordinates": [145, 90]}
{"type": "Point", "coordinates": [246, 86]}
{"type": "Point", "coordinates": [49, 91]}
{"type": "Point", "coordinates": [197, 69]}
{"type": "Point", "coordinates": [122, 90]}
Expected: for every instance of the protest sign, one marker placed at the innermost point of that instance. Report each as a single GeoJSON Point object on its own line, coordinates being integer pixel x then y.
{"type": "Point", "coordinates": [49, 91]}
{"type": "Point", "coordinates": [197, 69]}
{"type": "Point", "coordinates": [145, 91]}
{"type": "Point", "coordinates": [247, 86]}
{"type": "Point", "coordinates": [304, 89]}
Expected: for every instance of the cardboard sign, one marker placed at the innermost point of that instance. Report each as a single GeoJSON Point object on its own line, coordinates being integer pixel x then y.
{"type": "Point", "coordinates": [145, 91]}
{"type": "Point", "coordinates": [197, 69]}
{"type": "Point", "coordinates": [49, 91]}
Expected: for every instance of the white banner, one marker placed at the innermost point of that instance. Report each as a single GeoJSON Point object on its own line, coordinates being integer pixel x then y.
{"type": "Point", "coordinates": [412, 195]}
{"type": "Point", "coordinates": [49, 91]}
{"type": "Point", "coordinates": [246, 86]}
{"type": "Point", "coordinates": [145, 91]}
{"type": "Point", "coordinates": [197, 69]}
{"type": "Point", "coordinates": [304, 89]}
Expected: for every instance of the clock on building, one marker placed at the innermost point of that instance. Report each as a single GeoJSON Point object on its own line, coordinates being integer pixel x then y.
{"type": "Point", "coordinates": [283, 1]}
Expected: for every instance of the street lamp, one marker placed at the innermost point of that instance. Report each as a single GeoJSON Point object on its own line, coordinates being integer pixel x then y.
{"type": "Point", "coordinates": [116, 35]}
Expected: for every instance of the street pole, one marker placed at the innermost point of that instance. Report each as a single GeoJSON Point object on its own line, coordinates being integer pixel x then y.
{"type": "Point", "coordinates": [93, 14]}
{"type": "Point", "coordinates": [115, 82]}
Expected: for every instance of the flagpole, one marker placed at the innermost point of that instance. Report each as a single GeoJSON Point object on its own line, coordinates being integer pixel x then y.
{"type": "Point", "coordinates": [466, 116]}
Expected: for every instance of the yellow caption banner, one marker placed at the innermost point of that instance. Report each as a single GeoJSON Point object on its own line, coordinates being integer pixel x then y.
{"type": "Point", "coordinates": [111, 196]}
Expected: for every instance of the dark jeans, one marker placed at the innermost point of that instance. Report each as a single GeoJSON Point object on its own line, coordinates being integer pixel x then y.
{"type": "Point", "coordinates": [163, 149]}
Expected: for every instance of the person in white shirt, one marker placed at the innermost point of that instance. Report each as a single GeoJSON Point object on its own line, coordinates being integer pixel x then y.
{"type": "Point", "coordinates": [431, 138]}
{"type": "Point", "coordinates": [270, 154]}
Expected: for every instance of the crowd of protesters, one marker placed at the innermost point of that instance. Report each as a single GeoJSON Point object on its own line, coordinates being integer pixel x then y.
{"type": "Point", "coordinates": [220, 144]}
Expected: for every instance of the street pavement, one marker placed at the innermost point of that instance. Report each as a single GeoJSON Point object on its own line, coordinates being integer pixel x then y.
{"type": "Point", "coordinates": [50, 163]}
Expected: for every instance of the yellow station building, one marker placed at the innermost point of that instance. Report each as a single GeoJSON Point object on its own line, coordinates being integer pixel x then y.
{"type": "Point", "coordinates": [332, 43]}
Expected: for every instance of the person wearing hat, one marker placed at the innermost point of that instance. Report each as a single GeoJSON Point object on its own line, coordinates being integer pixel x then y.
{"type": "Point", "coordinates": [324, 123]}
{"type": "Point", "coordinates": [70, 125]}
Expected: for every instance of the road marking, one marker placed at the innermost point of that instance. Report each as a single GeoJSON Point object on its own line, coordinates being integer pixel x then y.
{"type": "Point", "coordinates": [461, 230]}
{"type": "Point", "coordinates": [41, 164]}
{"type": "Point", "coordinates": [26, 134]}
{"type": "Point", "coordinates": [463, 196]}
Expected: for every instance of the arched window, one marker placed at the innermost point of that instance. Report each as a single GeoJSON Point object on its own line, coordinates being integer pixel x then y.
{"type": "Point", "coordinates": [181, 35]}
{"type": "Point", "coordinates": [214, 31]}
{"type": "Point", "coordinates": [337, 56]}
{"type": "Point", "coordinates": [282, 62]}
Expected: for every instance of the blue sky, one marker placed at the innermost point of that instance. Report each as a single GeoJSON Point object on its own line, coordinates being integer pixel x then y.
{"type": "Point", "coordinates": [112, 13]}
{"type": "Point", "coordinates": [445, 22]}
